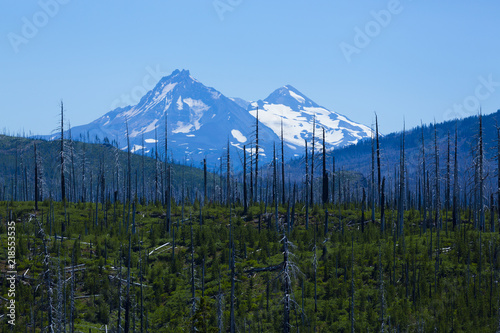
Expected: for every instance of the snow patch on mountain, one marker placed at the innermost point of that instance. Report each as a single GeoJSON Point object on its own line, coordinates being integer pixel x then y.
{"type": "Point", "coordinates": [159, 96]}
{"type": "Point", "coordinates": [299, 98]}
{"type": "Point", "coordinates": [182, 128]}
{"type": "Point", "coordinates": [180, 105]}
{"type": "Point", "coordinates": [143, 130]}
{"type": "Point", "coordinates": [136, 148]}
{"type": "Point", "coordinates": [238, 136]}
{"type": "Point", "coordinates": [130, 113]}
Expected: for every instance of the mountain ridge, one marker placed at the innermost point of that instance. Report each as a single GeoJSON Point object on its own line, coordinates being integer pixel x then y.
{"type": "Point", "coordinates": [295, 109]}
{"type": "Point", "coordinates": [201, 122]}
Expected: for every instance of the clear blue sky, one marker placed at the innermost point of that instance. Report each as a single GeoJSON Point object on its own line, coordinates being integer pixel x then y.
{"type": "Point", "coordinates": [428, 56]}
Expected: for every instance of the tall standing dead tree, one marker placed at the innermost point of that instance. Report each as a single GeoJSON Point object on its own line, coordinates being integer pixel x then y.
{"type": "Point", "coordinates": [36, 178]}
{"type": "Point", "coordinates": [498, 170]}
{"type": "Point", "coordinates": [373, 179]}
{"type": "Point", "coordinates": [455, 179]}
{"type": "Point", "coordinates": [325, 174]}
{"type": "Point", "coordinates": [312, 161]}
{"type": "Point", "coordinates": [436, 179]}
{"type": "Point", "coordinates": [447, 182]}
{"type": "Point", "coordinates": [275, 187]}
{"type": "Point", "coordinates": [307, 188]}
{"type": "Point", "coordinates": [424, 183]}
{"type": "Point", "coordinates": [378, 154]}
{"type": "Point", "coordinates": [286, 270]}
{"type": "Point", "coordinates": [61, 153]}
{"type": "Point", "coordinates": [256, 154]}
{"type": "Point", "coordinates": [228, 175]}
{"type": "Point", "coordinates": [480, 152]}
{"type": "Point", "coordinates": [401, 202]}
{"type": "Point", "coordinates": [232, 324]}
{"type": "Point", "coordinates": [283, 199]}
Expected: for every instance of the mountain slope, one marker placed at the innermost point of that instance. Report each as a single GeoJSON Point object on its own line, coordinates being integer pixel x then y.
{"type": "Point", "coordinates": [201, 121]}
{"type": "Point", "coordinates": [358, 157]}
{"type": "Point", "coordinates": [299, 113]}
{"type": "Point", "coordinates": [84, 162]}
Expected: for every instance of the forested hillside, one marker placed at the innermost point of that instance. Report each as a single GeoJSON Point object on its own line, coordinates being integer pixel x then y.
{"type": "Point", "coordinates": [87, 165]}
{"type": "Point", "coordinates": [358, 157]}
{"type": "Point", "coordinates": [382, 248]}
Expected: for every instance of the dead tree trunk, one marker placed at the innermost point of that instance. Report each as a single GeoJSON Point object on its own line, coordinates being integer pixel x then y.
{"type": "Point", "coordinates": [481, 174]}
{"type": "Point", "coordinates": [228, 176]}
{"type": "Point", "coordinates": [285, 269]}
{"type": "Point", "coordinates": [325, 174]}
{"type": "Point", "coordinates": [333, 179]}
{"type": "Point", "coordinates": [36, 179]}
{"type": "Point", "coordinates": [193, 289]}
{"type": "Point", "coordinates": [401, 186]}
{"type": "Point", "coordinates": [127, 301]}
{"type": "Point", "coordinates": [307, 189]}
{"type": "Point", "coordinates": [165, 167]}
{"type": "Point", "coordinates": [447, 184]}
{"type": "Point", "coordinates": [436, 179]}
{"type": "Point", "coordinates": [312, 162]}
{"type": "Point", "coordinates": [205, 180]}
{"type": "Point", "coordinates": [455, 179]}
{"type": "Point", "coordinates": [275, 187]}
{"type": "Point", "coordinates": [245, 194]}
{"type": "Point", "coordinates": [382, 207]}
{"type": "Point", "coordinates": [233, 278]}
{"type": "Point", "coordinates": [61, 153]}
{"type": "Point", "coordinates": [283, 194]}
{"type": "Point", "coordinates": [424, 183]}
{"type": "Point", "coordinates": [373, 180]}
{"type": "Point", "coordinates": [363, 202]}
{"type": "Point", "coordinates": [256, 154]}
{"type": "Point", "coordinates": [498, 172]}
{"type": "Point", "coordinates": [378, 154]}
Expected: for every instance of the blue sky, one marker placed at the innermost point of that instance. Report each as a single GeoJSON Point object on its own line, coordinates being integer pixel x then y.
{"type": "Point", "coordinates": [410, 60]}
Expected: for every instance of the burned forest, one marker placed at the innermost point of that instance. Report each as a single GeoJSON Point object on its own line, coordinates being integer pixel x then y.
{"type": "Point", "coordinates": [397, 233]}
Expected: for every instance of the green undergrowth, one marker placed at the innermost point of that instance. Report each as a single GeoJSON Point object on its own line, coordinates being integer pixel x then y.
{"type": "Point", "coordinates": [421, 279]}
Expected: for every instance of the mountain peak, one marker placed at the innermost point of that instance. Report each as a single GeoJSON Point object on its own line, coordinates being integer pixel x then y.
{"type": "Point", "coordinates": [184, 72]}
{"type": "Point", "coordinates": [178, 76]}
{"type": "Point", "coordinates": [290, 87]}
{"type": "Point", "coordinates": [200, 118]}
{"type": "Point", "coordinates": [288, 108]}
{"type": "Point", "coordinates": [289, 96]}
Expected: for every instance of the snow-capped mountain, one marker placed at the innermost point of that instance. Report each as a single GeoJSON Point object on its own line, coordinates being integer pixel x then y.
{"type": "Point", "coordinates": [299, 113]}
{"type": "Point", "coordinates": [201, 122]}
